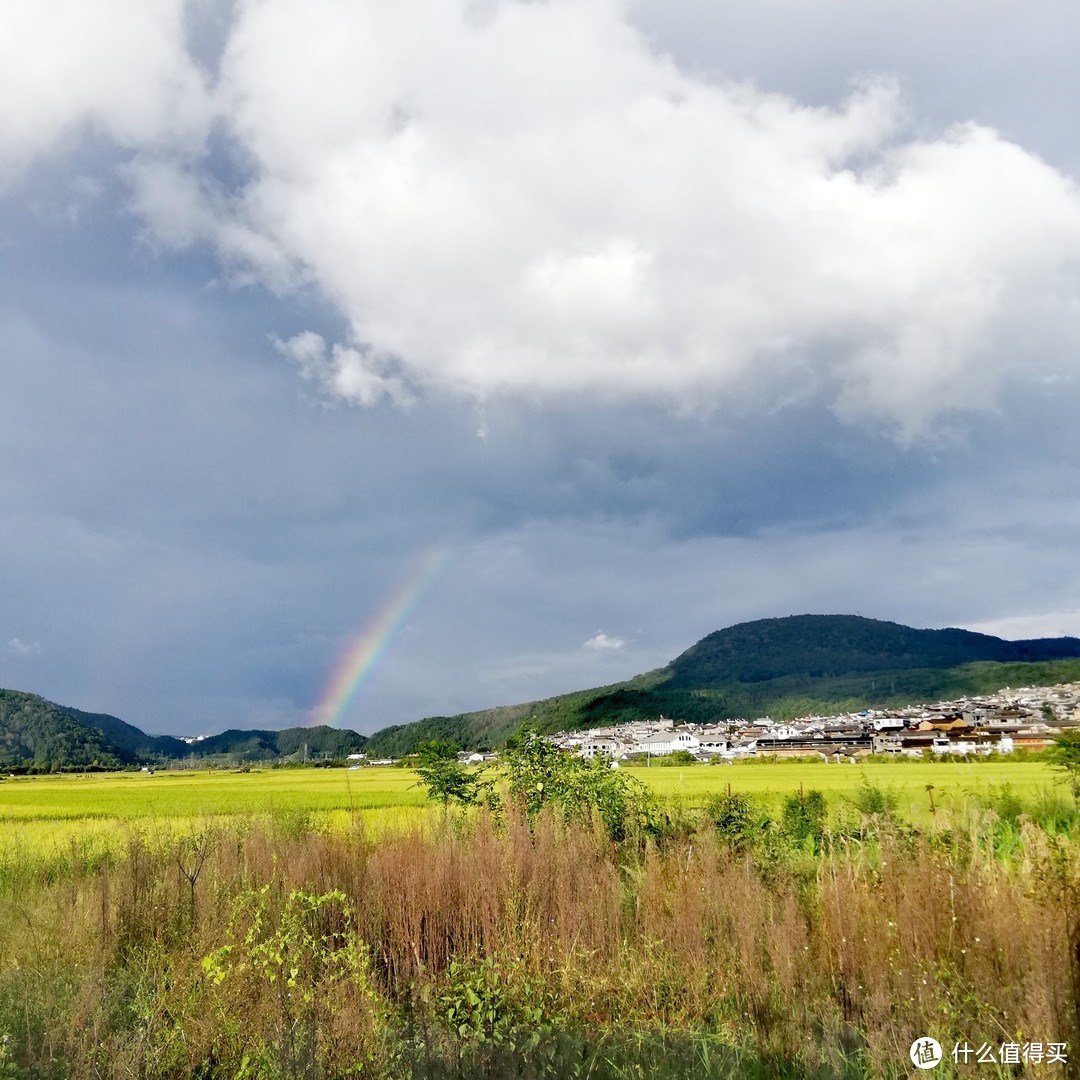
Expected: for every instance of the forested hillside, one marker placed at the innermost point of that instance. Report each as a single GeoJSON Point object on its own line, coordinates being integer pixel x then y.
{"type": "Point", "coordinates": [128, 740]}
{"type": "Point", "coordinates": [303, 743]}
{"type": "Point", "coordinates": [39, 735]}
{"type": "Point", "coordinates": [35, 733]}
{"type": "Point", "coordinates": [824, 646]}
{"type": "Point", "coordinates": [784, 668]}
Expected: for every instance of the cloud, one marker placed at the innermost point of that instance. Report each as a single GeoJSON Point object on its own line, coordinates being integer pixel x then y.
{"type": "Point", "coordinates": [602, 641]}
{"type": "Point", "coordinates": [524, 220]}
{"type": "Point", "coordinates": [17, 647]}
{"type": "Point", "coordinates": [352, 374]}
{"type": "Point", "coordinates": [1044, 624]}
{"type": "Point", "coordinates": [116, 67]}
{"type": "Point", "coordinates": [531, 200]}
{"type": "Point", "coordinates": [536, 203]}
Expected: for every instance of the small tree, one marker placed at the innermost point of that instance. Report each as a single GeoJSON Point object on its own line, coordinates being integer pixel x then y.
{"type": "Point", "coordinates": [444, 776]}
{"type": "Point", "coordinates": [539, 774]}
{"type": "Point", "coordinates": [535, 769]}
{"type": "Point", "coordinates": [738, 818]}
{"type": "Point", "coordinates": [1064, 756]}
{"type": "Point", "coordinates": [805, 817]}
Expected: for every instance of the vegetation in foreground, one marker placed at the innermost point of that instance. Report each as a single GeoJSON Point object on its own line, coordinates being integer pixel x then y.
{"type": "Point", "coordinates": [566, 928]}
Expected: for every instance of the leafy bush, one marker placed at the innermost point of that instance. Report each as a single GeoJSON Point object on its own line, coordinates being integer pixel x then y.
{"type": "Point", "coordinates": [1006, 803]}
{"type": "Point", "coordinates": [488, 1001]}
{"type": "Point", "coordinates": [874, 800]}
{"type": "Point", "coordinates": [539, 774]}
{"type": "Point", "coordinates": [738, 818]}
{"type": "Point", "coordinates": [1064, 756]}
{"type": "Point", "coordinates": [676, 757]}
{"type": "Point", "coordinates": [805, 816]}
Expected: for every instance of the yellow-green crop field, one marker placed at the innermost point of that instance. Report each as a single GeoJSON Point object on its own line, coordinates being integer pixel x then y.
{"type": "Point", "coordinates": [164, 794]}
{"type": "Point", "coordinates": [43, 816]}
{"type": "Point", "coordinates": [78, 818]}
{"type": "Point", "coordinates": [954, 783]}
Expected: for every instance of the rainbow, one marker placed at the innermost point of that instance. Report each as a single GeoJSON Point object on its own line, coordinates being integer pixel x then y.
{"type": "Point", "coordinates": [358, 659]}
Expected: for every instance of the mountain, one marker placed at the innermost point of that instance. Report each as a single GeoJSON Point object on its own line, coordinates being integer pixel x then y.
{"type": "Point", "coordinates": [35, 733]}
{"type": "Point", "coordinates": [39, 735]}
{"type": "Point", "coordinates": [305, 743]}
{"type": "Point", "coordinates": [821, 646]}
{"type": "Point", "coordinates": [129, 742]}
{"type": "Point", "coordinates": [787, 667]}
{"type": "Point", "coordinates": [784, 667]}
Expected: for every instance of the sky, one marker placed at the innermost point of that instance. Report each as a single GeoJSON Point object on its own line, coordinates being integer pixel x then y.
{"type": "Point", "coordinates": [362, 361]}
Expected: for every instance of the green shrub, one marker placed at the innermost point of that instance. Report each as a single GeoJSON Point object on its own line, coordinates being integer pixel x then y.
{"type": "Point", "coordinates": [675, 758]}
{"type": "Point", "coordinates": [739, 818]}
{"type": "Point", "coordinates": [539, 775]}
{"type": "Point", "coordinates": [805, 816]}
{"type": "Point", "coordinates": [488, 1001]}
{"type": "Point", "coordinates": [1006, 803]}
{"type": "Point", "coordinates": [874, 800]}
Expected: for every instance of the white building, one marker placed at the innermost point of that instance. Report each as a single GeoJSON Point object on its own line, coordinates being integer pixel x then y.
{"type": "Point", "coordinates": [667, 743]}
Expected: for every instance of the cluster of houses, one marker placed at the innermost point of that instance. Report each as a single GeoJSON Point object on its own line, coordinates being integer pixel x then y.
{"type": "Point", "coordinates": [1003, 722]}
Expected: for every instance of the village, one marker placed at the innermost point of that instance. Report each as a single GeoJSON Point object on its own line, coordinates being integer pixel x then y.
{"type": "Point", "coordinates": [1004, 722]}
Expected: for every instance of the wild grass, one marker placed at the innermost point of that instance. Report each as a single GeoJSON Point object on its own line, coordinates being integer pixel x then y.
{"type": "Point", "coordinates": [306, 943]}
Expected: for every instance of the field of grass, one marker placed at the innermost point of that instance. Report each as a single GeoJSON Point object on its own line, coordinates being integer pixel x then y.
{"type": "Point", "coordinates": [98, 803]}
{"type": "Point", "coordinates": [49, 825]}
{"type": "Point", "coordinates": [316, 924]}
{"type": "Point", "coordinates": [165, 794]}
{"type": "Point", "coordinates": [954, 782]}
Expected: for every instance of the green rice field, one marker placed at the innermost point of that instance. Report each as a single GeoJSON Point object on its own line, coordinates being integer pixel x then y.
{"type": "Point", "coordinates": [954, 782]}
{"type": "Point", "coordinates": [51, 810]}
{"type": "Point", "coordinates": [78, 819]}
{"type": "Point", "coordinates": [166, 794]}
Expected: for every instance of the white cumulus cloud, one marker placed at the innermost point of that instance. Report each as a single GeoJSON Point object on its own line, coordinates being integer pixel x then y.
{"type": "Point", "coordinates": [345, 372]}
{"type": "Point", "coordinates": [528, 199]}
{"type": "Point", "coordinates": [117, 67]}
{"type": "Point", "coordinates": [601, 641]}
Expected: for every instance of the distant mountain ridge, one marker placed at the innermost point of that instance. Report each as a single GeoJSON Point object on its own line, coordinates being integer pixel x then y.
{"type": "Point", "coordinates": [40, 735]}
{"type": "Point", "coordinates": [129, 742]}
{"type": "Point", "coordinates": [785, 667]}
{"type": "Point", "coordinates": [830, 645]}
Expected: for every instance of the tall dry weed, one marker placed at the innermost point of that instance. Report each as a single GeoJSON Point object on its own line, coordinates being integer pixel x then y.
{"type": "Point", "coordinates": [308, 953]}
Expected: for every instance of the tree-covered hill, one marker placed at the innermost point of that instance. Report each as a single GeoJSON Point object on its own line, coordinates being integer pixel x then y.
{"type": "Point", "coordinates": [36, 734]}
{"type": "Point", "coordinates": [129, 741]}
{"type": "Point", "coordinates": [784, 668]}
{"type": "Point", "coordinates": [40, 735]}
{"type": "Point", "coordinates": [310, 743]}
{"type": "Point", "coordinates": [824, 646]}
